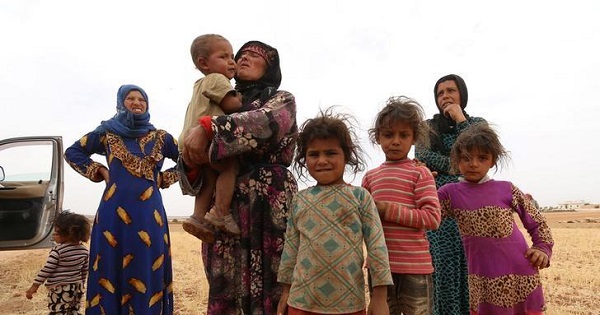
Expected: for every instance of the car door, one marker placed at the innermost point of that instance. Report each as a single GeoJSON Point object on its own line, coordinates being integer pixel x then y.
{"type": "Point", "coordinates": [31, 190]}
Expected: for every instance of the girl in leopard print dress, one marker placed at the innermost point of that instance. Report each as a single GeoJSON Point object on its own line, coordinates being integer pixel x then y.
{"type": "Point", "coordinates": [502, 269]}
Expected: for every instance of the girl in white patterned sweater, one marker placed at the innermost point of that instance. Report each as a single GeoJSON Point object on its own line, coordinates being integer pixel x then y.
{"type": "Point", "coordinates": [329, 227]}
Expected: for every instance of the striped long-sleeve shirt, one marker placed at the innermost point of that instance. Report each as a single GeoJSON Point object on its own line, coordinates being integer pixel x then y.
{"type": "Point", "coordinates": [67, 263]}
{"type": "Point", "coordinates": [414, 208]}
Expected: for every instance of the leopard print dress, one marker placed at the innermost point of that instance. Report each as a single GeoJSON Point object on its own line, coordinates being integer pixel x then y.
{"type": "Point", "coordinates": [451, 290]}
{"type": "Point", "coordinates": [501, 279]}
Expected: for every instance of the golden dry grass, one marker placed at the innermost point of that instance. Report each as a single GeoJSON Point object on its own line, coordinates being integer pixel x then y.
{"type": "Point", "coordinates": [571, 284]}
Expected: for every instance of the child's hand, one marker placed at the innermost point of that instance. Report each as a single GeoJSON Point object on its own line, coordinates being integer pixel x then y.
{"type": "Point", "coordinates": [282, 306]}
{"type": "Point", "coordinates": [378, 304]}
{"type": "Point", "coordinates": [537, 258]}
{"type": "Point", "coordinates": [31, 291]}
{"type": "Point", "coordinates": [382, 207]}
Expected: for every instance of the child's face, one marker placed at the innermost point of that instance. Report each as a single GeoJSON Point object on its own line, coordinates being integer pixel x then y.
{"type": "Point", "coordinates": [325, 161]}
{"type": "Point", "coordinates": [220, 60]}
{"type": "Point", "coordinates": [135, 102]}
{"type": "Point", "coordinates": [475, 165]}
{"type": "Point", "coordinates": [396, 140]}
{"type": "Point", "coordinates": [57, 237]}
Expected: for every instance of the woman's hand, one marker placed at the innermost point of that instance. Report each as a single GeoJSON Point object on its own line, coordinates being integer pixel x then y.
{"type": "Point", "coordinates": [104, 174]}
{"type": "Point", "coordinates": [159, 179]}
{"type": "Point", "coordinates": [422, 164]}
{"type": "Point", "coordinates": [195, 147]}
{"type": "Point", "coordinates": [382, 207]}
{"type": "Point", "coordinates": [454, 111]}
{"type": "Point", "coordinates": [537, 258]}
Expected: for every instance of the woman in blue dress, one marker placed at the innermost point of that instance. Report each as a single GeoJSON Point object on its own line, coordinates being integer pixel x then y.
{"type": "Point", "coordinates": [130, 257]}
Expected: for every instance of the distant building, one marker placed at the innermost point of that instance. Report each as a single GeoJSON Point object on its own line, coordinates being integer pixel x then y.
{"type": "Point", "coordinates": [571, 205]}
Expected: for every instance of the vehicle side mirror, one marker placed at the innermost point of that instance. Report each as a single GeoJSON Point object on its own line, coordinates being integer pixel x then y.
{"type": "Point", "coordinates": [1, 173]}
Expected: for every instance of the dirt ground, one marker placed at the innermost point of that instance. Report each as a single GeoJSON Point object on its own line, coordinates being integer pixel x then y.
{"type": "Point", "coordinates": [571, 287]}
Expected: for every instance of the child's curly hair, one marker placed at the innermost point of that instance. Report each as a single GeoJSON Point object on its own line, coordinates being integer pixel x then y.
{"type": "Point", "coordinates": [329, 125]}
{"type": "Point", "coordinates": [72, 226]}
{"type": "Point", "coordinates": [482, 137]}
{"type": "Point", "coordinates": [402, 109]}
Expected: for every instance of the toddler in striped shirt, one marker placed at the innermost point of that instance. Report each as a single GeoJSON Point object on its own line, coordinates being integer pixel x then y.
{"type": "Point", "coordinates": [66, 268]}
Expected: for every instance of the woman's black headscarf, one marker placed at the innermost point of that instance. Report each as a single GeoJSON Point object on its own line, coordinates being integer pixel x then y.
{"type": "Point", "coordinates": [266, 86]}
{"type": "Point", "coordinates": [442, 124]}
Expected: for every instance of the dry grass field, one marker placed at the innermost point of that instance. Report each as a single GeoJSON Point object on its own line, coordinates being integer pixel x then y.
{"type": "Point", "coordinates": [571, 284]}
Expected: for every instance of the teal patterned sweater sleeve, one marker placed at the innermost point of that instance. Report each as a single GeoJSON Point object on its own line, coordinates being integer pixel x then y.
{"type": "Point", "coordinates": [290, 251]}
{"type": "Point", "coordinates": [377, 254]}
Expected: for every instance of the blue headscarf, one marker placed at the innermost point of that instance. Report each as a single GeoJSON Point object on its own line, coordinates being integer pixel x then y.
{"type": "Point", "coordinates": [125, 123]}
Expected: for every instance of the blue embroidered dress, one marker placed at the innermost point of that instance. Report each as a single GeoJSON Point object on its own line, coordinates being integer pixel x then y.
{"type": "Point", "coordinates": [130, 259]}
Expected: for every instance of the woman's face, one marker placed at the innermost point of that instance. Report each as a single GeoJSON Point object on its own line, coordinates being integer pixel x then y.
{"type": "Point", "coordinates": [447, 93]}
{"type": "Point", "coordinates": [135, 102]}
{"type": "Point", "coordinates": [251, 66]}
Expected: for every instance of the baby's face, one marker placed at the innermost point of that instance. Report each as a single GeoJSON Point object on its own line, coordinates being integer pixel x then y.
{"type": "Point", "coordinates": [220, 60]}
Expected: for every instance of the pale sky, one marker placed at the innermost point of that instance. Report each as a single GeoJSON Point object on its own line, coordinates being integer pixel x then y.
{"type": "Point", "coordinates": [531, 67]}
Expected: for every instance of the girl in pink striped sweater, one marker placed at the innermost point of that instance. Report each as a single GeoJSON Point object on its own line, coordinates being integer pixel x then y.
{"type": "Point", "coordinates": [406, 198]}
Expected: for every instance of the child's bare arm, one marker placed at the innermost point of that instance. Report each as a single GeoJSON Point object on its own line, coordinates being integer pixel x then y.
{"type": "Point", "coordinates": [282, 306]}
{"type": "Point", "coordinates": [231, 103]}
{"type": "Point", "coordinates": [31, 291]}
{"type": "Point", "coordinates": [378, 304]}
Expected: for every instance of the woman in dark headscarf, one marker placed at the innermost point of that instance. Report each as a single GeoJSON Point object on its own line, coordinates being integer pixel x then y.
{"type": "Point", "coordinates": [242, 272]}
{"type": "Point", "coordinates": [451, 291]}
{"type": "Point", "coordinates": [130, 256]}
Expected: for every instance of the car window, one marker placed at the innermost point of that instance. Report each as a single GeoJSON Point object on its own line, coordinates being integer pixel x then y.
{"type": "Point", "coordinates": [27, 163]}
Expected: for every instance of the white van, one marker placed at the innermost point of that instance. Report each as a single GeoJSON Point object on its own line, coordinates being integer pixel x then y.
{"type": "Point", "coordinates": [31, 190]}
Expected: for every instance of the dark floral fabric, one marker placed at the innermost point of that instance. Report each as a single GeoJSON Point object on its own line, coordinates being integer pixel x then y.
{"type": "Point", "coordinates": [242, 271]}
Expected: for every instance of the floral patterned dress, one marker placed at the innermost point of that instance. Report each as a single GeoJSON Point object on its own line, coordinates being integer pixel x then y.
{"type": "Point", "coordinates": [130, 258]}
{"type": "Point", "coordinates": [242, 271]}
